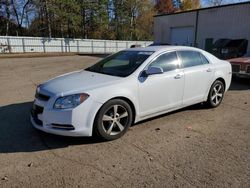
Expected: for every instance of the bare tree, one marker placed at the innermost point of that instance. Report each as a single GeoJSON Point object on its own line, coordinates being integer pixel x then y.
{"type": "Point", "coordinates": [19, 9]}
{"type": "Point", "coordinates": [6, 3]}
{"type": "Point", "coordinates": [102, 19]}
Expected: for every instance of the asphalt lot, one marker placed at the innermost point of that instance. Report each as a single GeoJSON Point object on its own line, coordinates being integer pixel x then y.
{"type": "Point", "coordinates": [193, 147]}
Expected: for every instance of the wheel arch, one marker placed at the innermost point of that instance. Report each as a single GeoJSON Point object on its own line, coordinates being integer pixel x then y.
{"type": "Point", "coordinates": [131, 104]}
{"type": "Point", "coordinates": [222, 80]}
{"type": "Point", "coordinates": [126, 99]}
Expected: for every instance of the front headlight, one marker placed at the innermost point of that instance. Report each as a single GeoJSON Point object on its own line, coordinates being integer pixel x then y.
{"type": "Point", "coordinates": [70, 101]}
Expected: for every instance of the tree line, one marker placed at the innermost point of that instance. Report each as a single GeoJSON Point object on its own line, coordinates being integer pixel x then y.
{"type": "Point", "coordinates": [96, 19]}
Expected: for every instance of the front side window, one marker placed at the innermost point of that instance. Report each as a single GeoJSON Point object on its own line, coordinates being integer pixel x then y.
{"type": "Point", "coordinates": [192, 58]}
{"type": "Point", "coordinates": [167, 62]}
{"type": "Point", "coordinates": [121, 64]}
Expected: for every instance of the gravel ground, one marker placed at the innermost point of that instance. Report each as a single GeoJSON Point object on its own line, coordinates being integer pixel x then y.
{"type": "Point", "coordinates": [193, 147]}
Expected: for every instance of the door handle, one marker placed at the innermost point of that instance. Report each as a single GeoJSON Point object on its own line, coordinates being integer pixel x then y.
{"type": "Point", "coordinates": [209, 70]}
{"type": "Point", "coordinates": [178, 76]}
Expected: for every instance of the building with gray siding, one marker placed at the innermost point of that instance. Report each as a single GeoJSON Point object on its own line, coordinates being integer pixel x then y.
{"type": "Point", "coordinates": [198, 27]}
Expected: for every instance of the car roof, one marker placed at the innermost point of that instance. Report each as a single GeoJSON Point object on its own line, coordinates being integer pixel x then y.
{"type": "Point", "coordinates": [163, 48]}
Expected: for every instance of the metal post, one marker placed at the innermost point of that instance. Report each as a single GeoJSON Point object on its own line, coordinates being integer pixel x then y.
{"type": "Point", "coordinates": [69, 44]}
{"type": "Point", "coordinates": [105, 45]}
{"type": "Point", "coordinates": [65, 45]}
{"type": "Point", "coordinates": [77, 43]}
{"type": "Point", "coordinates": [23, 44]}
{"type": "Point", "coordinates": [8, 43]}
{"type": "Point", "coordinates": [92, 46]}
{"type": "Point", "coordinates": [62, 45]}
{"type": "Point", "coordinates": [196, 29]}
{"type": "Point", "coordinates": [44, 49]}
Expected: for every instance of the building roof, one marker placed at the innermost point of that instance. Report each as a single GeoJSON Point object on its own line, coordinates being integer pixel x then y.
{"type": "Point", "coordinates": [194, 10]}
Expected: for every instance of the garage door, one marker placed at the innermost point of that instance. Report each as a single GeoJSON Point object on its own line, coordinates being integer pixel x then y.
{"type": "Point", "coordinates": [182, 36]}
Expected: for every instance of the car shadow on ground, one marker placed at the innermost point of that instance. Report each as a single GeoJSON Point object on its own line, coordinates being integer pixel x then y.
{"type": "Point", "coordinates": [240, 84]}
{"type": "Point", "coordinates": [18, 135]}
{"type": "Point", "coordinates": [195, 107]}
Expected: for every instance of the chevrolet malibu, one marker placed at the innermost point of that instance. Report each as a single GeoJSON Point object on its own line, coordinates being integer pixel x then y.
{"type": "Point", "coordinates": [127, 87]}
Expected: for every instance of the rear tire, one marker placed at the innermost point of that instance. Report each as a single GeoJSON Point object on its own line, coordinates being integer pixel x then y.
{"type": "Point", "coordinates": [113, 119]}
{"type": "Point", "coordinates": [216, 94]}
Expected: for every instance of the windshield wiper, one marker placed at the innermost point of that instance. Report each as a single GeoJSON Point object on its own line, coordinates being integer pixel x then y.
{"type": "Point", "coordinates": [92, 70]}
{"type": "Point", "coordinates": [103, 72]}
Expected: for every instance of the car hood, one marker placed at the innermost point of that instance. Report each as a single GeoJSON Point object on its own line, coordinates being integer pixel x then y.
{"type": "Point", "coordinates": [79, 81]}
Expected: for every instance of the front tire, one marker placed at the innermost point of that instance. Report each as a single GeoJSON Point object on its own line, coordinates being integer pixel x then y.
{"type": "Point", "coordinates": [216, 94]}
{"type": "Point", "coordinates": [113, 119]}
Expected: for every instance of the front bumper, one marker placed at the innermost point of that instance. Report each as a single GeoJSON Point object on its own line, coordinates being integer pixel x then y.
{"type": "Point", "coordinates": [80, 119]}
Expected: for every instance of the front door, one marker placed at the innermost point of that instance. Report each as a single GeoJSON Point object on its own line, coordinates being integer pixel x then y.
{"type": "Point", "coordinates": [162, 92]}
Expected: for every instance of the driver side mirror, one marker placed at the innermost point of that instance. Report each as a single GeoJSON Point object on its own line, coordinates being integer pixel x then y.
{"type": "Point", "coordinates": [153, 70]}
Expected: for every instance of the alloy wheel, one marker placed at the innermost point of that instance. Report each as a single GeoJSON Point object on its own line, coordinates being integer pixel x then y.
{"type": "Point", "coordinates": [115, 119]}
{"type": "Point", "coordinates": [217, 94]}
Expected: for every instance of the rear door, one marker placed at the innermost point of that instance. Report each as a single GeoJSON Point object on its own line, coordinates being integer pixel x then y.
{"type": "Point", "coordinates": [198, 74]}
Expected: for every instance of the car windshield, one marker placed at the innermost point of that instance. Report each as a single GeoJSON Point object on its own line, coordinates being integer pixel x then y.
{"type": "Point", "coordinates": [121, 64]}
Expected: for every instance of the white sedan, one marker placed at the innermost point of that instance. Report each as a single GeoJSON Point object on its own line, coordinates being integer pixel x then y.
{"type": "Point", "coordinates": [127, 87]}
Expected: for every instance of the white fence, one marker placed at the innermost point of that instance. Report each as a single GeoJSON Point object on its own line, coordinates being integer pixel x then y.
{"type": "Point", "coordinates": [12, 44]}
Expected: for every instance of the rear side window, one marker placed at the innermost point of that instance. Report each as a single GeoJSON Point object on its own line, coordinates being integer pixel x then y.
{"type": "Point", "coordinates": [167, 62]}
{"type": "Point", "coordinates": [192, 58]}
{"type": "Point", "coordinates": [204, 59]}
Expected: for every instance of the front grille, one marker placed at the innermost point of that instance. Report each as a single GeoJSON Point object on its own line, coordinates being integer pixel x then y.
{"type": "Point", "coordinates": [62, 126]}
{"type": "Point", "coordinates": [34, 112]}
{"type": "Point", "coordinates": [248, 69]}
{"type": "Point", "coordinates": [235, 68]}
{"type": "Point", "coordinates": [42, 97]}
